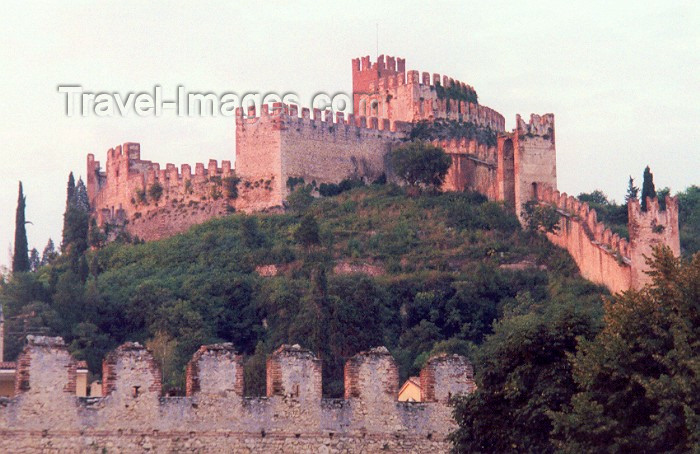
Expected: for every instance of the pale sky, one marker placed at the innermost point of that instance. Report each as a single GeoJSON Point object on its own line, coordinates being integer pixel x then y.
{"type": "Point", "coordinates": [622, 78]}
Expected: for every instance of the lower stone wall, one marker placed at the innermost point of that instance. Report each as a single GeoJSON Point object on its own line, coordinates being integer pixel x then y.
{"type": "Point", "coordinates": [59, 442]}
{"type": "Point", "coordinates": [214, 416]}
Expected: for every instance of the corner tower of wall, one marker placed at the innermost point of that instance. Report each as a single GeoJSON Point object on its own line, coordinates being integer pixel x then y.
{"type": "Point", "coordinates": [648, 229]}
{"type": "Point", "coordinates": [413, 96]}
{"type": "Point", "coordinates": [534, 159]}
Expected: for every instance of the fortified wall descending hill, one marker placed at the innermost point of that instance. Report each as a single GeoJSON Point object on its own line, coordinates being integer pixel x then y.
{"type": "Point", "coordinates": [604, 257]}
{"type": "Point", "coordinates": [214, 417]}
{"type": "Point", "coordinates": [283, 143]}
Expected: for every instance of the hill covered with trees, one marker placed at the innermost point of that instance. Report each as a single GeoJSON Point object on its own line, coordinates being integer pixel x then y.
{"type": "Point", "coordinates": [340, 274]}
{"type": "Point", "coordinates": [568, 366]}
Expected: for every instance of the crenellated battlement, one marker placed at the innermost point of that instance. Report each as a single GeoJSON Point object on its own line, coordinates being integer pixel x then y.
{"type": "Point", "coordinates": [604, 257]}
{"type": "Point", "coordinates": [283, 117]}
{"type": "Point", "coordinates": [412, 96]}
{"type": "Point", "coordinates": [539, 125]}
{"type": "Point", "coordinates": [596, 231]}
{"type": "Point", "coordinates": [283, 143]}
{"type": "Point", "coordinates": [130, 192]}
{"type": "Point", "coordinates": [293, 414]}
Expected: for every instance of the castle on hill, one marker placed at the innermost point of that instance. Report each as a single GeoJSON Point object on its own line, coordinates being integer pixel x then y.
{"type": "Point", "coordinates": [284, 143]}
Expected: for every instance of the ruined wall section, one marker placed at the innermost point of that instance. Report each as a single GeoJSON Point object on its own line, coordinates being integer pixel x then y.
{"type": "Point", "coordinates": [52, 394]}
{"type": "Point", "coordinates": [535, 158]}
{"type": "Point", "coordinates": [214, 417]}
{"type": "Point", "coordinates": [648, 229]}
{"type": "Point", "coordinates": [391, 93]}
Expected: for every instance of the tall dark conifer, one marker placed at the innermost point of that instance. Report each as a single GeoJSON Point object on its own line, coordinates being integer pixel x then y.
{"type": "Point", "coordinates": [70, 197]}
{"type": "Point", "coordinates": [648, 189]}
{"type": "Point", "coordinates": [76, 219]}
{"type": "Point", "coordinates": [20, 259]}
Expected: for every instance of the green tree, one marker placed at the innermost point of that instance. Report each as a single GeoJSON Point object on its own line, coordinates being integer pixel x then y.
{"type": "Point", "coordinates": [254, 372]}
{"type": "Point", "coordinates": [307, 234]}
{"type": "Point", "coordinates": [20, 258]}
{"type": "Point", "coordinates": [420, 163]}
{"type": "Point", "coordinates": [632, 191]}
{"type": "Point", "coordinates": [661, 194]}
{"type": "Point", "coordinates": [76, 219]}
{"type": "Point", "coordinates": [689, 220]}
{"type": "Point", "coordinates": [300, 198]}
{"type": "Point", "coordinates": [49, 254]}
{"type": "Point", "coordinates": [34, 260]}
{"type": "Point", "coordinates": [163, 347]}
{"type": "Point", "coordinates": [70, 197]}
{"type": "Point", "coordinates": [539, 217]}
{"type": "Point", "coordinates": [647, 187]}
{"type": "Point", "coordinates": [96, 236]}
{"type": "Point", "coordinates": [523, 375]}
{"type": "Point", "coordinates": [597, 197]}
{"type": "Point", "coordinates": [639, 378]}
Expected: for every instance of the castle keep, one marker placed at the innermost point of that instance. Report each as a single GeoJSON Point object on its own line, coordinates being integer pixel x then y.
{"type": "Point", "coordinates": [215, 416]}
{"type": "Point", "coordinates": [284, 143]}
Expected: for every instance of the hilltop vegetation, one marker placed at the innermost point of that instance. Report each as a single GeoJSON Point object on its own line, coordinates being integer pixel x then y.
{"type": "Point", "coordinates": [365, 268]}
{"type": "Point", "coordinates": [421, 274]}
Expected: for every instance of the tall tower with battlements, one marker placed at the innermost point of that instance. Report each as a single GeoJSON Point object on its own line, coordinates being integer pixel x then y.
{"type": "Point", "coordinates": [364, 73]}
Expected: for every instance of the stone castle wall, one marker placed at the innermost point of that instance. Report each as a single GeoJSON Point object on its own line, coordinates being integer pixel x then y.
{"type": "Point", "coordinates": [215, 417]}
{"type": "Point", "coordinates": [474, 167]}
{"type": "Point", "coordinates": [288, 143]}
{"type": "Point", "coordinates": [285, 142]}
{"type": "Point", "coordinates": [534, 158]}
{"type": "Point", "coordinates": [384, 89]}
{"type": "Point", "coordinates": [121, 193]}
{"type": "Point", "coordinates": [604, 257]}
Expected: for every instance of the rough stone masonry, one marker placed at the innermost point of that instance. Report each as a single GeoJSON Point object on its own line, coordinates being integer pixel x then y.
{"type": "Point", "coordinates": [214, 417]}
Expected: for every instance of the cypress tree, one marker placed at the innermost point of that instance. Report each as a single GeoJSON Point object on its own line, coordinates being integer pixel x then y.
{"type": "Point", "coordinates": [648, 189]}
{"type": "Point", "coordinates": [20, 259]}
{"type": "Point", "coordinates": [70, 197]}
{"type": "Point", "coordinates": [76, 219]}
